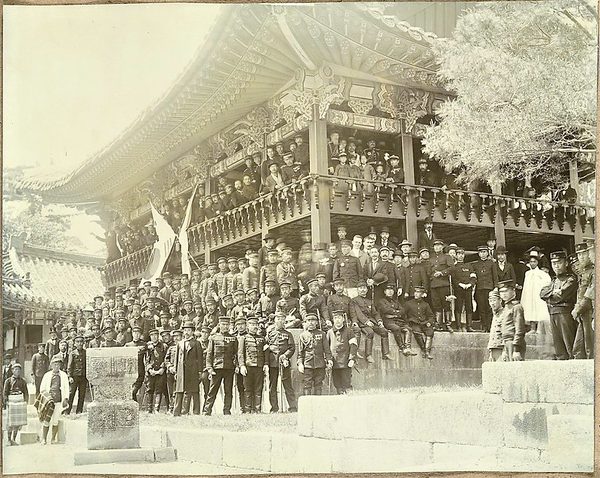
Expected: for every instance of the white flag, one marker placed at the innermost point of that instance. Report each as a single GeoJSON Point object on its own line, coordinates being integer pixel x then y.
{"type": "Point", "coordinates": [162, 247]}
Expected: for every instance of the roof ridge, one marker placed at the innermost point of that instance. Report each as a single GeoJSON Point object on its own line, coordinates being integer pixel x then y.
{"type": "Point", "coordinates": [65, 256]}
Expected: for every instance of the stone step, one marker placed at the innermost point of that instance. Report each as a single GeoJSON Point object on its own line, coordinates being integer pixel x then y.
{"type": "Point", "coordinates": [27, 437]}
{"type": "Point", "coordinates": [125, 455]}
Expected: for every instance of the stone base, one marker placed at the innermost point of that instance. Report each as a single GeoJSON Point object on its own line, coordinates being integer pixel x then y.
{"type": "Point", "coordinates": [27, 438]}
{"type": "Point", "coordinates": [113, 424]}
{"type": "Point", "coordinates": [125, 455]}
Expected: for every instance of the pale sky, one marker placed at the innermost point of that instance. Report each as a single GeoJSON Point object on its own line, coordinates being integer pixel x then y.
{"type": "Point", "coordinates": [76, 76]}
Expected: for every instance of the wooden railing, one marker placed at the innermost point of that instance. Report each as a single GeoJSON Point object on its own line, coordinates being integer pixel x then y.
{"type": "Point", "coordinates": [129, 267]}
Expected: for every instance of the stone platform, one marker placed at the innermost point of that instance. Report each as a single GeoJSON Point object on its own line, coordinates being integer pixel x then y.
{"type": "Point", "coordinates": [124, 455]}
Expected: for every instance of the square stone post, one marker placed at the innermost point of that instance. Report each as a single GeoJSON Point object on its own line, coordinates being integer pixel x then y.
{"type": "Point", "coordinates": [320, 217]}
{"type": "Point", "coordinates": [498, 224]}
{"type": "Point", "coordinates": [574, 181]}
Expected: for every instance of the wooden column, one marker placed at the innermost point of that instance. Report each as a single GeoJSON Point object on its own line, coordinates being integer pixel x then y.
{"type": "Point", "coordinates": [408, 163]}
{"type": "Point", "coordinates": [498, 224]}
{"type": "Point", "coordinates": [320, 216]}
{"type": "Point", "coordinates": [207, 249]}
{"type": "Point", "coordinates": [574, 181]}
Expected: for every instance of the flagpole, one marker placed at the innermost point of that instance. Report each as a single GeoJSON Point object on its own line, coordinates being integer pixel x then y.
{"type": "Point", "coordinates": [192, 258]}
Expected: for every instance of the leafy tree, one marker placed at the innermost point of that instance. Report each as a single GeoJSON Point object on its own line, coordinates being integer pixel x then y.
{"type": "Point", "coordinates": [525, 78]}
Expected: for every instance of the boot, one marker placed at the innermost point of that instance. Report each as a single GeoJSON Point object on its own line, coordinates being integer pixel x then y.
{"type": "Point", "coordinates": [369, 350]}
{"type": "Point", "coordinates": [54, 434]}
{"type": "Point", "coordinates": [428, 344]}
{"type": "Point", "coordinates": [150, 402]}
{"type": "Point", "coordinates": [385, 348]}
{"type": "Point", "coordinates": [407, 350]}
{"type": "Point", "coordinates": [439, 319]}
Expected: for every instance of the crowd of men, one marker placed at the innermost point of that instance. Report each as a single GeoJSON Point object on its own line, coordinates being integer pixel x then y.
{"type": "Point", "coordinates": [229, 322]}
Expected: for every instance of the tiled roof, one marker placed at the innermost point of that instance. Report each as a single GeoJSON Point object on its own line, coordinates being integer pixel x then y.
{"type": "Point", "coordinates": [50, 279]}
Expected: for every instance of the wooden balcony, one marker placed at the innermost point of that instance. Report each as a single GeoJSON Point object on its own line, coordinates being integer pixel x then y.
{"type": "Point", "coordinates": [371, 198]}
{"type": "Point", "coordinates": [368, 199]}
{"type": "Point", "coordinates": [269, 210]}
{"type": "Point", "coordinates": [126, 268]}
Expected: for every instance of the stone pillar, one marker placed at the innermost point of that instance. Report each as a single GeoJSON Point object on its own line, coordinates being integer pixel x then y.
{"type": "Point", "coordinates": [498, 225]}
{"type": "Point", "coordinates": [113, 417]}
{"type": "Point", "coordinates": [574, 181]}
{"type": "Point", "coordinates": [408, 163]}
{"type": "Point", "coordinates": [320, 218]}
{"type": "Point", "coordinates": [207, 249]}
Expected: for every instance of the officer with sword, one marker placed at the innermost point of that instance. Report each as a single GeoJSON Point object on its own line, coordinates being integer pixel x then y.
{"type": "Point", "coordinates": [279, 350]}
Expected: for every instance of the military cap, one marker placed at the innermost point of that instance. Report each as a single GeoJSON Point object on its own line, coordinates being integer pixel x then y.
{"type": "Point", "coordinates": [343, 153]}
{"type": "Point", "coordinates": [107, 329]}
{"type": "Point", "coordinates": [452, 246]}
{"type": "Point", "coordinates": [153, 331]}
{"type": "Point", "coordinates": [253, 254]}
{"type": "Point", "coordinates": [533, 254]}
{"type": "Point", "coordinates": [210, 300]}
{"type": "Point", "coordinates": [221, 259]}
{"type": "Point", "coordinates": [321, 246]}
{"type": "Point", "coordinates": [72, 327]}
{"type": "Point", "coordinates": [188, 301]}
{"type": "Point", "coordinates": [97, 310]}
{"type": "Point", "coordinates": [247, 321]}
{"type": "Point", "coordinates": [346, 242]}
{"type": "Point", "coordinates": [212, 265]}
{"type": "Point", "coordinates": [438, 241]}
{"type": "Point", "coordinates": [177, 331]}
{"type": "Point", "coordinates": [338, 312]}
{"type": "Point", "coordinates": [147, 282]}
{"type": "Point", "coordinates": [341, 228]}
{"type": "Point", "coordinates": [253, 289]}
{"type": "Point", "coordinates": [310, 281]}
{"type": "Point", "coordinates": [62, 341]}
{"type": "Point", "coordinates": [482, 248]}
{"type": "Point", "coordinates": [232, 259]}
{"type": "Point", "coordinates": [119, 290]}
{"type": "Point", "coordinates": [223, 318]}
{"type": "Point", "coordinates": [385, 229]}
{"type": "Point", "coordinates": [506, 284]}
{"type": "Point", "coordinates": [285, 283]}
{"type": "Point", "coordinates": [154, 287]}
{"type": "Point", "coordinates": [177, 278]}
{"type": "Point", "coordinates": [95, 326]}
{"type": "Point", "coordinates": [238, 292]}
{"type": "Point", "coordinates": [79, 336]}
{"type": "Point", "coordinates": [136, 328]}
{"type": "Point", "coordinates": [42, 344]}
{"type": "Point", "coordinates": [242, 259]}
{"type": "Point", "coordinates": [56, 358]}
{"type": "Point", "coordinates": [101, 297]}
{"type": "Point", "coordinates": [339, 279]}
{"type": "Point", "coordinates": [413, 252]}
{"type": "Point", "coordinates": [165, 331]}
{"type": "Point", "coordinates": [320, 274]}
{"type": "Point", "coordinates": [582, 247]}
{"type": "Point", "coordinates": [288, 155]}
{"type": "Point", "coordinates": [494, 294]}
{"type": "Point", "coordinates": [384, 248]}
{"type": "Point", "coordinates": [558, 255]}
{"type": "Point", "coordinates": [423, 249]}
{"type": "Point", "coordinates": [501, 250]}
{"type": "Point", "coordinates": [399, 252]}
{"type": "Point", "coordinates": [311, 317]}
{"type": "Point", "coordinates": [269, 235]}
{"type": "Point", "coordinates": [361, 283]}
{"type": "Point", "coordinates": [270, 281]}
{"type": "Point", "coordinates": [205, 328]}
{"type": "Point", "coordinates": [573, 259]}
{"type": "Point", "coordinates": [122, 319]}
{"type": "Point", "coordinates": [18, 365]}
{"type": "Point", "coordinates": [272, 252]}
{"type": "Point", "coordinates": [228, 295]}
{"type": "Point", "coordinates": [419, 288]}
{"type": "Point", "coordinates": [165, 313]}
{"type": "Point", "coordinates": [394, 156]}
{"type": "Point", "coordinates": [460, 249]}
{"type": "Point", "coordinates": [287, 249]}
{"type": "Point", "coordinates": [390, 285]}
{"type": "Point", "coordinates": [188, 324]}
{"type": "Point", "coordinates": [428, 220]}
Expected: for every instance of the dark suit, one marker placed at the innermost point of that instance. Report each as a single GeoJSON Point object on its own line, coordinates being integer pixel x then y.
{"type": "Point", "coordinates": [189, 364]}
{"type": "Point", "coordinates": [371, 271]}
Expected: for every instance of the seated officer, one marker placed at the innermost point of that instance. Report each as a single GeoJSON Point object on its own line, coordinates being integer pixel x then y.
{"type": "Point", "coordinates": [420, 317]}
{"type": "Point", "coordinates": [313, 356]}
{"type": "Point", "coordinates": [367, 318]}
{"type": "Point", "coordinates": [393, 316]}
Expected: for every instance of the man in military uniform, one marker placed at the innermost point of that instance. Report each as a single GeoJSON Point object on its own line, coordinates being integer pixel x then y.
{"type": "Point", "coordinates": [484, 283]}
{"type": "Point", "coordinates": [155, 370]}
{"type": "Point", "coordinates": [441, 267]}
{"type": "Point", "coordinates": [314, 355]}
{"type": "Point", "coordinates": [462, 284]}
{"type": "Point", "coordinates": [39, 366]}
{"type": "Point", "coordinates": [343, 345]}
{"type": "Point", "coordinates": [415, 275]}
{"type": "Point", "coordinates": [221, 277]}
{"type": "Point", "coordinates": [367, 318]}
{"type": "Point", "coordinates": [251, 360]}
{"type": "Point", "coordinates": [314, 303]}
{"type": "Point", "coordinates": [348, 268]}
{"type": "Point", "coordinates": [170, 365]}
{"type": "Point", "coordinates": [288, 306]}
{"type": "Point", "coordinates": [561, 295]}
{"type": "Point", "coordinates": [137, 341]}
{"type": "Point", "coordinates": [167, 290]}
{"type": "Point", "coordinates": [420, 317]}
{"type": "Point", "coordinates": [280, 350]}
{"type": "Point", "coordinates": [513, 322]}
{"type": "Point", "coordinates": [394, 319]}
{"type": "Point", "coordinates": [583, 311]}
{"type": "Point", "coordinates": [221, 359]}
{"type": "Point", "coordinates": [108, 337]}
{"type": "Point", "coordinates": [76, 369]}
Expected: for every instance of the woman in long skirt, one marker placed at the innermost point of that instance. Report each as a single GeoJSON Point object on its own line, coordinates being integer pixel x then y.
{"type": "Point", "coordinates": [16, 397]}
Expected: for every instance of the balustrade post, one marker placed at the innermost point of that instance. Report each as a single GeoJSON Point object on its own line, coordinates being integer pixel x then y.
{"type": "Point", "coordinates": [408, 164]}
{"type": "Point", "coordinates": [574, 181]}
{"type": "Point", "coordinates": [498, 223]}
{"type": "Point", "coordinates": [320, 217]}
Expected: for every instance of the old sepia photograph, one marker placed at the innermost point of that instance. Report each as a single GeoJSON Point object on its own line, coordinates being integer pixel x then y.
{"type": "Point", "coordinates": [284, 238]}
